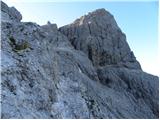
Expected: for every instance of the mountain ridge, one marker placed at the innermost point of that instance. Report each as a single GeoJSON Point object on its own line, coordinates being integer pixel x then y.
{"type": "Point", "coordinates": [85, 69]}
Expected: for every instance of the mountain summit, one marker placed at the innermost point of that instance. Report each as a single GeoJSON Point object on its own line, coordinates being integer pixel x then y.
{"type": "Point", "coordinates": [82, 70]}
{"type": "Point", "coordinates": [98, 35]}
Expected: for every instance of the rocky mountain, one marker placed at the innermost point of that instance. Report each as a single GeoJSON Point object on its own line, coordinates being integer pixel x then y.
{"type": "Point", "coordinates": [82, 70]}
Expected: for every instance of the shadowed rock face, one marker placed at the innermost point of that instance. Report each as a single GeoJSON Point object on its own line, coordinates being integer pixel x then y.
{"type": "Point", "coordinates": [82, 70]}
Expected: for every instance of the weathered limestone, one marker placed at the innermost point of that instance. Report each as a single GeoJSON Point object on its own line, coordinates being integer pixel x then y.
{"type": "Point", "coordinates": [82, 70]}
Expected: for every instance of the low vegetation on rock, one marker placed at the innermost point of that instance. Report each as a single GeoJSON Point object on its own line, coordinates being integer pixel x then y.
{"type": "Point", "coordinates": [85, 69]}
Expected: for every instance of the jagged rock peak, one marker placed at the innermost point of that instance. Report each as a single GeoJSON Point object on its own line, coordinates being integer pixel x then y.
{"type": "Point", "coordinates": [99, 16]}
{"type": "Point", "coordinates": [10, 14]}
{"type": "Point", "coordinates": [49, 27]}
{"type": "Point", "coordinates": [98, 35]}
{"type": "Point", "coordinates": [99, 12]}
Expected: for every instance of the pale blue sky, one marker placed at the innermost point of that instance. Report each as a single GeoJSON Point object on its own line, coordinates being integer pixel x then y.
{"type": "Point", "coordinates": [138, 20]}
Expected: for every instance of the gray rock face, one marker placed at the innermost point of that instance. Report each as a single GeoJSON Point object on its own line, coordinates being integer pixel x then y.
{"type": "Point", "coordinates": [83, 70]}
{"type": "Point", "coordinates": [10, 14]}
{"type": "Point", "coordinates": [98, 35]}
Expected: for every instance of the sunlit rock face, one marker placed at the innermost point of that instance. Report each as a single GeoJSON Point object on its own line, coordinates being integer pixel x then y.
{"type": "Point", "coordinates": [82, 70]}
{"type": "Point", "coordinates": [98, 35]}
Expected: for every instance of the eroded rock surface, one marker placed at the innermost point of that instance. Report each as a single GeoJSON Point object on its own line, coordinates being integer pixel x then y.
{"type": "Point", "coordinates": [82, 70]}
{"type": "Point", "coordinates": [98, 35]}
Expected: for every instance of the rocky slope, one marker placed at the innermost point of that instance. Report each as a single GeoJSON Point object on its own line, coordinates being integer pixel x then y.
{"type": "Point", "coordinates": [82, 70]}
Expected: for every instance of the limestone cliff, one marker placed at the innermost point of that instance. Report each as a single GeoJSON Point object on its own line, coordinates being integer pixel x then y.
{"type": "Point", "coordinates": [82, 70]}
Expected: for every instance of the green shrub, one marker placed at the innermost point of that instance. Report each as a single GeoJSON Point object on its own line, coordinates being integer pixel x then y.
{"type": "Point", "coordinates": [13, 41]}
{"type": "Point", "coordinates": [22, 46]}
{"type": "Point", "coordinates": [19, 46]}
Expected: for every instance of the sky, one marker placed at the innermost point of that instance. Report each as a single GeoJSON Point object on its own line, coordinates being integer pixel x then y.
{"type": "Point", "coordinates": [137, 19]}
